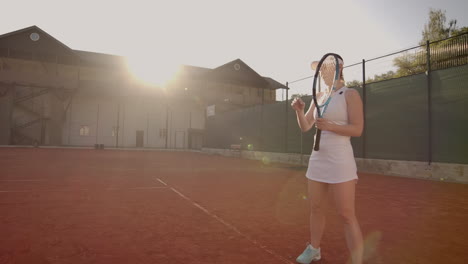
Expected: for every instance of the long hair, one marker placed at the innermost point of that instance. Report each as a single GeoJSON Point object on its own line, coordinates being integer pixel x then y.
{"type": "Point", "coordinates": [341, 71]}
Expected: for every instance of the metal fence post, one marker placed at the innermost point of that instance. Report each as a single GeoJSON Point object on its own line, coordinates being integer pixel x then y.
{"type": "Point", "coordinates": [364, 104]}
{"type": "Point", "coordinates": [429, 101]}
{"type": "Point", "coordinates": [261, 121]}
{"type": "Point", "coordinates": [166, 134]}
{"type": "Point", "coordinates": [286, 120]}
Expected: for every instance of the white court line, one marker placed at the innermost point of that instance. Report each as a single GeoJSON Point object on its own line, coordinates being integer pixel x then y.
{"type": "Point", "coordinates": [233, 228]}
{"type": "Point", "coordinates": [159, 180]}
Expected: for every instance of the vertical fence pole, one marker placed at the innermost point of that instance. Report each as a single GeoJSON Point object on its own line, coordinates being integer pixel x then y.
{"type": "Point", "coordinates": [364, 104]}
{"type": "Point", "coordinates": [261, 121]}
{"type": "Point", "coordinates": [97, 125]}
{"type": "Point", "coordinates": [167, 125]}
{"type": "Point", "coordinates": [429, 102]}
{"type": "Point", "coordinates": [286, 120]}
{"type": "Point", "coordinates": [147, 130]}
{"type": "Point", "coordinates": [43, 132]}
{"type": "Point", "coordinates": [117, 127]}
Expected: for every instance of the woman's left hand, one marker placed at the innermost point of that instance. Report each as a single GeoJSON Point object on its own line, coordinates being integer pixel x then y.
{"type": "Point", "coordinates": [323, 124]}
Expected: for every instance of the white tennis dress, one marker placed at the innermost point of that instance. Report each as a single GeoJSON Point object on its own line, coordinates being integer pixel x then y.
{"type": "Point", "coordinates": [334, 162]}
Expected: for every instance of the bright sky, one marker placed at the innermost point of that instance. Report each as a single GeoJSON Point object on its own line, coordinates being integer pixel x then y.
{"type": "Point", "coordinates": [278, 39]}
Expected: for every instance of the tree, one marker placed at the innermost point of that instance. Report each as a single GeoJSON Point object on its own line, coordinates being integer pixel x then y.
{"type": "Point", "coordinates": [410, 63]}
{"type": "Point", "coordinates": [442, 52]}
{"type": "Point", "coordinates": [460, 31]}
{"type": "Point", "coordinates": [446, 53]}
{"type": "Point", "coordinates": [436, 28]}
{"type": "Point", "coordinates": [384, 76]}
{"type": "Point", "coordinates": [354, 84]}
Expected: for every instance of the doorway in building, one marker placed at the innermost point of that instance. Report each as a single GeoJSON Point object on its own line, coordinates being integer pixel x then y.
{"type": "Point", "coordinates": [139, 138]}
{"type": "Point", "coordinates": [195, 138]}
{"type": "Point", "coordinates": [179, 139]}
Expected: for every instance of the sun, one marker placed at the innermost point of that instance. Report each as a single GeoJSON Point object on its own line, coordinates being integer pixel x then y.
{"type": "Point", "coordinates": [150, 70]}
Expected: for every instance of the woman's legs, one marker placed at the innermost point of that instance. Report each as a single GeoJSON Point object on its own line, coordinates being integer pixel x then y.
{"type": "Point", "coordinates": [317, 192]}
{"type": "Point", "coordinates": [344, 196]}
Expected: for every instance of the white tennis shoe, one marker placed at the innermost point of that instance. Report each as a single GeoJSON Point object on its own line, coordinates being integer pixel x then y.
{"type": "Point", "coordinates": [310, 254]}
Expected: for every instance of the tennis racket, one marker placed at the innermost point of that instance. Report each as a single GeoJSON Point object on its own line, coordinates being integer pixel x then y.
{"type": "Point", "coordinates": [327, 73]}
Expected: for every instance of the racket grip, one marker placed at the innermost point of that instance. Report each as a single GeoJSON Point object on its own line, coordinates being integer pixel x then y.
{"type": "Point", "coordinates": [317, 140]}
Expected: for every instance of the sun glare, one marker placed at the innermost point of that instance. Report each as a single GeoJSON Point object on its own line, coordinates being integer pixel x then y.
{"type": "Point", "coordinates": [152, 71]}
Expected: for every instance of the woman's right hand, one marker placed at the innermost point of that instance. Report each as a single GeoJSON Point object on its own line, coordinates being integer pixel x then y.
{"type": "Point", "coordinates": [297, 104]}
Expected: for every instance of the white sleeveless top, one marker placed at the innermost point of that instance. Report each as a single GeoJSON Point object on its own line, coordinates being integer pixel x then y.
{"type": "Point", "coordinates": [334, 162]}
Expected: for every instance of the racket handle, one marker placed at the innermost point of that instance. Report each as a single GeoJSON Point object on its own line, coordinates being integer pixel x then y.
{"type": "Point", "coordinates": [317, 140]}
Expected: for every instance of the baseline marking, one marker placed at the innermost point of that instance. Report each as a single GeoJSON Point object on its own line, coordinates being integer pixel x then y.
{"type": "Point", "coordinates": [159, 180]}
{"type": "Point", "coordinates": [229, 226]}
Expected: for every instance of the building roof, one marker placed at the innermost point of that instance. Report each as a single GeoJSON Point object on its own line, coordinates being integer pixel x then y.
{"type": "Point", "coordinates": [191, 72]}
{"type": "Point", "coordinates": [274, 85]}
{"type": "Point", "coordinates": [235, 72]}
{"type": "Point", "coordinates": [34, 28]}
{"type": "Point", "coordinates": [101, 59]}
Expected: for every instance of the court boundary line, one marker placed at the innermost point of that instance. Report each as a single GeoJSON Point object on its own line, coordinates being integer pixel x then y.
{"type": "Point", "coordinates": [228, 225]}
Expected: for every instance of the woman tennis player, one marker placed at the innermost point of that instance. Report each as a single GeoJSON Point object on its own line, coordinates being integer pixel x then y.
{"type": "Point", "coordinates": [332, 169]}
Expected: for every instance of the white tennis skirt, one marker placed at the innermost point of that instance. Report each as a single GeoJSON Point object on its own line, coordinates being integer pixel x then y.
{"type": "Point", "coordinates": [333, 163]}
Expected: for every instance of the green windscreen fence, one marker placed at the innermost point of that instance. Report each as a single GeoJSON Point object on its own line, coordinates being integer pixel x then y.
{"type": "Point", "coordinates": [273, 128]}
{"type": "Point", "coordinates": [397, 121]}
{"type": "Point", "coordinates": [236, 127]}
{"type": "Point", "coordinates": [450, 115]}
{"type": "Point", "coordinates": [358, 142]}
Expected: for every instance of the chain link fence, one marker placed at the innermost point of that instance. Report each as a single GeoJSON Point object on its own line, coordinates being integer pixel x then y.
{"type": "Point", "coordinates": [415, 103]}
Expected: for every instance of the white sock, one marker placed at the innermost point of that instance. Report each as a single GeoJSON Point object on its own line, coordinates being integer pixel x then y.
{"type": "Point", "coordinates": [311, 247]}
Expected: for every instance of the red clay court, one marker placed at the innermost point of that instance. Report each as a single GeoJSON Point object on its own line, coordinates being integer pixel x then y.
{"type": "Point", "coordinates": [115, 206]}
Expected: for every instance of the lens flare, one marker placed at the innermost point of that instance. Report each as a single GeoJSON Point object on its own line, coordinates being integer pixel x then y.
{"type": "Point", "coordinates": [371, 244]}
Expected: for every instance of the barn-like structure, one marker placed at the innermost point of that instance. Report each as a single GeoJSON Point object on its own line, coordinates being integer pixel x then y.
{"type": "Point", "coordinates": [51, 94]}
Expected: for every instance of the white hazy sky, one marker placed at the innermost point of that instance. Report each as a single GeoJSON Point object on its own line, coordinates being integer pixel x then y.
{"type": "Point", "coordinates": [277, 39]}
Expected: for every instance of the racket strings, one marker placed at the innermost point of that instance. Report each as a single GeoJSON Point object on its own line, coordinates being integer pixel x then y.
{"type": "Point", "coordinates": [329, 75]}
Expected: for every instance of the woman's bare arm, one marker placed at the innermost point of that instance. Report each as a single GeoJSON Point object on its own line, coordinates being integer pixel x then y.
{"type": "Point", "coordinates": [307, 120]}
